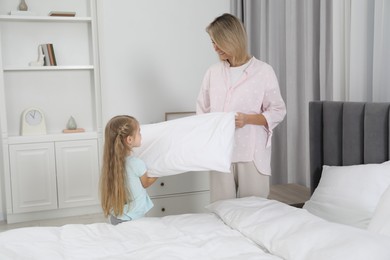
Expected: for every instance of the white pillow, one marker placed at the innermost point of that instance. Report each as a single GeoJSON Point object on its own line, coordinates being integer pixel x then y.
{"type": "Point", "coordinates": [195, 143]}
{"type": "Point", "coordinates": [349, 194]}
{"type": "Point", "coordinates": [380, 222]}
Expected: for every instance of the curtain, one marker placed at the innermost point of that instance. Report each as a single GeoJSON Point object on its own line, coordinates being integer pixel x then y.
{"type": "Point", "coordinates": [320, 50]}
{"type": "Point", "coordinates": [285, 34]}
{"type": "Point", "coordinates": [361, 56]}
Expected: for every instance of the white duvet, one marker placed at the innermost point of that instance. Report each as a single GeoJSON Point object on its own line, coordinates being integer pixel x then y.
{"type": "Point", "coordinates": [188, 236]}
{"type": "Point", "coordinates": [294, 233]}
{"type": "Point", "coordinates": [248, 228]}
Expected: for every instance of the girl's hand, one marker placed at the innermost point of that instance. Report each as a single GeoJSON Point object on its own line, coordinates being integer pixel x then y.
{"type": "Point", "coordinates": [147, 181]}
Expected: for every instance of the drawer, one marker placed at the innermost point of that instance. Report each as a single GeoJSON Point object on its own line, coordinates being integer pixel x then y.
{"type": "Point", "coordinates": [180, 204]}
{"type": "Point", "coordinates": [186, 182]}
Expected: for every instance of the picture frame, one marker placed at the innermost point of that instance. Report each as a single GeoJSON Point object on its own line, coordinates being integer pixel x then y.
{"type": "Point", "coordinates": [176, 115]}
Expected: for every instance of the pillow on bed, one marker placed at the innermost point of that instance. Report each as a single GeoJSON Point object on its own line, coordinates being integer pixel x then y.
{"type": "Point", "coordinates": [380, 222]}
{"type": "Point", "coordinates": [349, 194]}
{"type": "Point", "coordinates": [195, 143]}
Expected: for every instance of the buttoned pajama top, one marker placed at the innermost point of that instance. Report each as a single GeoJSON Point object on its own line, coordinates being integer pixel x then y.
{"type": "Point", "coordinates": [255, 92]}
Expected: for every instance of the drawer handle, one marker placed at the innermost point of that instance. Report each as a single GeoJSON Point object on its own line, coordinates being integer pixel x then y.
{"type": "Point", "coordinates": [162, 184]}
{"type": "Point", "coordinates": [162, 209]}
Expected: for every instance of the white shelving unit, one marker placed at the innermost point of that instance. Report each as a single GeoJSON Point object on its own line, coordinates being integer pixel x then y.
{"type": "Point", "coordinates": [56, 174]}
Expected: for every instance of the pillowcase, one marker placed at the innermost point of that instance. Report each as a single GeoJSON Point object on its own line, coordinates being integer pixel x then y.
{"type": "Point", "coordinates": [195, 143]}
{"type": "Point", "coordinates": [349, 194]}
{"type": "Point", "coordinates": [380, 222]}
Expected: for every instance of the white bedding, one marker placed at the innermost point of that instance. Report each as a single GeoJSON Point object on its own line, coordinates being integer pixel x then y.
{"type": "Point", "coordinates": [247, 228]}
{"type": "Point", "coordinates": [188, 236]}
{"type": "Point", "coordinates": [294, 233]}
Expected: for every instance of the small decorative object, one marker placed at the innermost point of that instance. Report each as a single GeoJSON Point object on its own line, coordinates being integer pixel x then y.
{"type": "Point", "coordinates": [71, 125]}
{"type": "Point", "coordinates": [23, 6]}
{"type": "Point", "coordinates": [41, 56]}
{"type": "Point", "coordinates": [33, 122]}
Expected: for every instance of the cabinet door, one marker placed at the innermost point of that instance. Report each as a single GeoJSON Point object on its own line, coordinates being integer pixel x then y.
{"type": "Point", "coordinates": [33, 177]}
{"type": "Point", "coordinates": [77, 173]}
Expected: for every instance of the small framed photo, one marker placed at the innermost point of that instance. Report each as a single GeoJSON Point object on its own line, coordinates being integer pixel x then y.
{"type": "Point", "coordinates": [176, 115]}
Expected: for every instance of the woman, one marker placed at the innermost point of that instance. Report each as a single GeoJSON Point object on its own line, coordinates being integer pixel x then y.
{"type": "Point", "coordinates": [249, 87]}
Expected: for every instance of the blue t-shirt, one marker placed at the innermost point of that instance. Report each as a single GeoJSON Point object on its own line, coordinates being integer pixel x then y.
{"type": "Point", "coordinates": [141, 202]}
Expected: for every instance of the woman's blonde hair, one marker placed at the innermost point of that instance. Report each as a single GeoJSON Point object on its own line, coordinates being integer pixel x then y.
{"type": "Point", "coordinates": [229, 34]}
{"type": "Point", "coordinates": [114, 191]}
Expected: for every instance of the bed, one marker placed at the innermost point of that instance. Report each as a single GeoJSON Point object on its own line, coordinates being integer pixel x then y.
{"type": "Point", "coordinates": [346, 217]}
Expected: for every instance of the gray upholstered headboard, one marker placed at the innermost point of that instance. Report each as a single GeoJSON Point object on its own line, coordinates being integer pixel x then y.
{"type": "Point", "coordinates": [347, 133]}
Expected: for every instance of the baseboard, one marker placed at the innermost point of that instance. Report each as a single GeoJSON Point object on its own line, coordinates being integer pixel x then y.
{"type": "Point", "coordinates": [52, 214]}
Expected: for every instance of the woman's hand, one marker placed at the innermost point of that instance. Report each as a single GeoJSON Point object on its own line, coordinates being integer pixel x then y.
{"type": "Point", "coordinates": [240, 120]}
{"type": "Point", "coordinates": [249, 119]}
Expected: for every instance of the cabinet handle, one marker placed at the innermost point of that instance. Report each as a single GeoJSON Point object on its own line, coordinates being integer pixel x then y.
{"type": "Point", "coordinates": [162, 209]}
{"type": "Point", "coordinates": [162, 184]}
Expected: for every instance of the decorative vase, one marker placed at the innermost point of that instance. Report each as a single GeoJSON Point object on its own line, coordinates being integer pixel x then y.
{"type": "Point", "coordinates": [71, 125]}
{"type": "Point", "coordinates": [23, 6]}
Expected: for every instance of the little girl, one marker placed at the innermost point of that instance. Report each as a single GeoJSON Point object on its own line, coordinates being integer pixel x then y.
{"type": "Point", "coordinates": [124, 177]}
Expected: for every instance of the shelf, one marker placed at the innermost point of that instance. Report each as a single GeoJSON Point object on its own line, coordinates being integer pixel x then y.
{"type": "Point", "coordinates": [46, 68]}
{"type": "Point", "coordinates": [15, 18]}
{"type": "Point", "coordinates": [51, 138]}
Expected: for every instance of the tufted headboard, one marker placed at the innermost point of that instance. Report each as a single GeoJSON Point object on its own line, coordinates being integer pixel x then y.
{"type": "Point", "coordinates": [347, 133]}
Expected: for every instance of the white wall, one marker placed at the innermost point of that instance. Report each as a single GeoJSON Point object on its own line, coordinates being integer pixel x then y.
{"type": "Point", "coordinates": [154, 54]}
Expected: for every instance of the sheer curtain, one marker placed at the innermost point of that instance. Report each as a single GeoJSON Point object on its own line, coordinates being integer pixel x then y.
{"type": "Point", "coordinates": [320, 50]}
{"type": "Point", "coordinates": [361, 54]}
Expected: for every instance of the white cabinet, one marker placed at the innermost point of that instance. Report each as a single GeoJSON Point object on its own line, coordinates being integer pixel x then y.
{"type": "Point", "coordinates": [52, 174]}
{"type": "Point", "coordinates": [183, 193]}
{"type": "Point", "coordinates": [48, 176]}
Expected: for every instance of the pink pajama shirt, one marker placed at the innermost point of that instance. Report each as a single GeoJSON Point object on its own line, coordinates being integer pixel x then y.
{"type": "Point", "coordinates": [256, 92]}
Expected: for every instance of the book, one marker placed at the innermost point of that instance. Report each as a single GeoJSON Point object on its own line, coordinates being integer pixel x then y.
{"type": "Point", "coordinates": [52, 56]}
{"type": "Point", "coordinates": [62, 13]}
{"type": "Point", "coordinates": [77, 130]}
